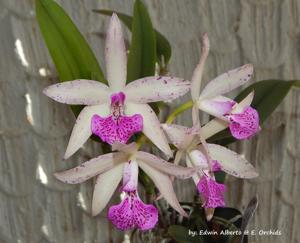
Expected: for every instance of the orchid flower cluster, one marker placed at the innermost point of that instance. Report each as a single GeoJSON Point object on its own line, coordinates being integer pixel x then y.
{"type": "Point", "coordinates": [115, 112]}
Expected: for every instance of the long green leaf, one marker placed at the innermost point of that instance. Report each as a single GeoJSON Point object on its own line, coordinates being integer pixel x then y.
{"type": "Point", "coordinates": [163, 47]}
{"type": "Point", "coordinates": [297, 84]}
{"type": "Point", "coordinates": [142, 52]}
{"type": "Point", "coordinates": [268, 94]}
{"type": "Point", "coordinates": [70, 52]}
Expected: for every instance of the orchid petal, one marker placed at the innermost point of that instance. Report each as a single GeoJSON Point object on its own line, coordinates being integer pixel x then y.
{"type": "Point", "coordinates": [156, 88]}
{"type": "Point", "coordinates": [212, 192]}
{"type": "Point", "coordinates": [151, 124]}
{"type": "Point", "coordinates": [196, 177]}
{"type": "Point", "coordinates": [130, 176]}
{"type": "Point", "coordinates": [198, 158]}
{"type": "Point", "coordinates": [132, 212]}
{"type": "Point", "coordinates": [178, 157]}
{"type": "Point", "coordinates": [91, 168]}
{"type": "Point", "coordinates": [227, 81]}
{"type": "Point", "coordinates": [79, 92]}
{"type": "Point", "coordinates": [216, 125]}
{"type": "Point", "coordinates": [164, 166]}
{"type": "Point", "coordinates": [197, 75]}
{"type": "Point", "coordinates": [178, 135]}
{"type": "Point", "coordinates": [231, 162]}
{"type": "Point", "coordinates": [126, 148]}
{"type": "Point", "coordinates": [239, 107]}
{"type": "Point", "coordinates": [217, 106]}
{"type": "Point", "coordinates": [105, 186]}
{"type": "Point", "coordinates": [195, 115]}
{"type": "Point", "coordinates": [82, 128]}
{"type": "Point", "coordinates": [115, 55]}
{"type": "Point", "coordinates": [164, 185]}
{"type": "Point", "coordinates": [112, 130]}
{"type": "Point", "coordinates": [175, 133]}
{"type": "Point", "coordinates": [213, 127]}
{"type": "Point", "coordinates": [244, 125]}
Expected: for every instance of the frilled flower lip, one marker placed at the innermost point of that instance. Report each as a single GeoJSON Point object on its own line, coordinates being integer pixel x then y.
{"type": "Point", "coordinates": [117, 127]}
{"type": "Point", "coordinates": [96, 96]}
{"type": "Point", "coordinates": [132, 212]}
{"type": "Point", "coordinates": [212, 192]}
{"type": "Point", "coordinates": [109, 171]}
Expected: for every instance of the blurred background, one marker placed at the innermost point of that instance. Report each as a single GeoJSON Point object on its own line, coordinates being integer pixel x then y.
{"type": "Point", "coordinates": [34, 130]}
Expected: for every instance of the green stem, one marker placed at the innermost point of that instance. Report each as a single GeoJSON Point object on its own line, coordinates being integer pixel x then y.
{"type": "Point", "coordinates": [179, 110]}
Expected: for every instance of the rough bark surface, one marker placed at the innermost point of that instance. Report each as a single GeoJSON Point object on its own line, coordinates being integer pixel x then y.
{"type": "Point", "coordinates": [34, 207]}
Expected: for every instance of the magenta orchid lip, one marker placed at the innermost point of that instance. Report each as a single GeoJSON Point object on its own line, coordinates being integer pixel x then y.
{"type": "Point", "coordinates": [117, 127]}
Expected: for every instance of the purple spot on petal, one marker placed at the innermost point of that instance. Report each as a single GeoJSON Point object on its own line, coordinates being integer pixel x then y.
{"type": "Point", "coordinates": [117, 127]}
{"type": "Point", "coordinates": [212, 192]}
{"type": "Point", "coordinates": [244, 125]}
{"type": "Point", "coordinates": [132, 212]}
{"type": "Point", "coordinates": [111, 129]}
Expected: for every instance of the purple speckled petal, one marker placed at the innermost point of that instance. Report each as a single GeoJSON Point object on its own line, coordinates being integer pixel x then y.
{"type": "Point", "coordinates": [156, 88]}
{"type": "Point", "coordinates": [145, 215]}
{"type": "Point", "coordinates": [228, 81]}
{"type": "Point", "coordinates": [244, 125]}
{"type": "Point", "coordinates": [79, 92]}
{"type": "Point", "coordinates": [121, 215]}
{"type": "Point", "coordinates": [212, 192]}
{"type": "Point", "coordinates": [132, 212]}
{"type": "Point", "coordinates": [112, 130]}
{"type": "Point", "coordinates": [232, 163]}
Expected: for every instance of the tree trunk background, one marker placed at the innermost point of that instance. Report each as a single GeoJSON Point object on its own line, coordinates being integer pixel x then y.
{"type": "Point", "coordinates": [34, 130]}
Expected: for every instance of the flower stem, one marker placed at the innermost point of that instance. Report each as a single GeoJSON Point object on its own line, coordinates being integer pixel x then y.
{"type": "Point", "coordinates": [179, 110]}
{"type": "Point", "coordinates": [140, 141]}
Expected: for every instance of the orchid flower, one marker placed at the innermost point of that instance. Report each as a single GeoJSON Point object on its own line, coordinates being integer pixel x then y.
{"type": "Point", "coordinates": [243, 123]}
{"type": "Point", "coordinates": [111, 168]}
{"type": "Point", "coordinates": [191, 142]}
{"type": "Point", "coordinates": [116, 112]}
{"type": "Point", "coordinates": [187, 142]}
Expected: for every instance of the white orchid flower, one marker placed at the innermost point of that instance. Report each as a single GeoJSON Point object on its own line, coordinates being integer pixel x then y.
{"type": "Point", "coordinates": [117, 111]}
{"type": "Point", "coordinates": [187, 141]}
{"type": "Point", "coordinates": [111, 168]}
{"type": "Point", "coordinates": [243, 123]}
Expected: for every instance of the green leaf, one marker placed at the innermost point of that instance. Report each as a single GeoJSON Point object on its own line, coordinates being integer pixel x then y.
{"type": "Point", "coordinates": [297, 83]}
{"type": "Point", "coordinates": [70, 52]}
{"type": "Point", "coordinates": [163, 47]}
{"type": "Point", "coordinates": [268, 94]}
{"type": "Point", "coordinates": [220, 176]}
{"type": "Point", "coordinates": [142, 52]}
